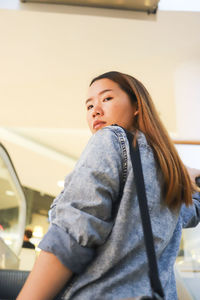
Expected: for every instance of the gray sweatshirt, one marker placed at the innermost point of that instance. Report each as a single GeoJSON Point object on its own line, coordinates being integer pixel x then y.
{"type": "Point", "coordinates": [96, 231]}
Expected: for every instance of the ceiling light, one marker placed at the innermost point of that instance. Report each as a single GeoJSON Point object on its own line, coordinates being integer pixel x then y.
{"type": "Point", "coordinates": [60, 183]}
{"type": "Point", "coordinates": [10, 193]}
{"type": "Point", "coordinates": [38, 232]}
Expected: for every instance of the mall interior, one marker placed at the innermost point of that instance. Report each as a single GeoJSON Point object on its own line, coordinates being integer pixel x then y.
{"type": "Point", "coordinates": [49, 52]}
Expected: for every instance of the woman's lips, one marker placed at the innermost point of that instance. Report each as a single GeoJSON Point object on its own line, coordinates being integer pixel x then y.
{"type": "Point", "coordinates": [98, 124]}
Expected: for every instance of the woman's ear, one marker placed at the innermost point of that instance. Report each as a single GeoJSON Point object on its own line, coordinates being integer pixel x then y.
{"type": "Point", "coordinates": [136, 113]}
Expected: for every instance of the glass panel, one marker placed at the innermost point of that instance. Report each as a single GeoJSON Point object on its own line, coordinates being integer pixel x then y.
{"type": "Point", "coordinates": [38, 205]}
{"type": "Point", "coordinates": [188, 260]}
{"type": "Point", "coordinates": [12, 206]}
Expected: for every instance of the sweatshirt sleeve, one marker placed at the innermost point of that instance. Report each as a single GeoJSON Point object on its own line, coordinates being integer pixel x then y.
{"type": "Point", "coordinates": [81, 216]}
{"type": "Point", "coordinates": [191, 215]}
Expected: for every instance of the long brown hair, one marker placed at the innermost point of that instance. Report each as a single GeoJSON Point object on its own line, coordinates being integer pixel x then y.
{"type": "Point", "coordinates": [178, 187]}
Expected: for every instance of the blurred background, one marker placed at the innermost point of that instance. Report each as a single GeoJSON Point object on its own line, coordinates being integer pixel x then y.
{"type": "Point", "coordinates": [49, 52]}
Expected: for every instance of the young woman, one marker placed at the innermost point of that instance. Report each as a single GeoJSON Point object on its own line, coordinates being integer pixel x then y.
{"type": "Point", "coordinates": [95, 233]}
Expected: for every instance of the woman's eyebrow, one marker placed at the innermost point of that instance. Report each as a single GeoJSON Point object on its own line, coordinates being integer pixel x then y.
{"type": "Point", "coordinates": [100, 93]}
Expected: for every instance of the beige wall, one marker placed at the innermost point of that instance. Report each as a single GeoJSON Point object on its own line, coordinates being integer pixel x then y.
{"type": "Point", "coordinates": [47, 60]}
{"type": "Point", "coordinates": [187, 99]}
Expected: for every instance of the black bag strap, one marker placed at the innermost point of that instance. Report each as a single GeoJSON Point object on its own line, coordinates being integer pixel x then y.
{"type": "Point", "coordinates": [145, 217]}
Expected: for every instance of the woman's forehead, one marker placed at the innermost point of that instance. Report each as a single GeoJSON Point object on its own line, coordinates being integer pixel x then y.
{"type": "Point", "coordinates": [101, 85]}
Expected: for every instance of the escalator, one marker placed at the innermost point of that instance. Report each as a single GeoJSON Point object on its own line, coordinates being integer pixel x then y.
{"type": "Point", "coordinates": [12, 213]}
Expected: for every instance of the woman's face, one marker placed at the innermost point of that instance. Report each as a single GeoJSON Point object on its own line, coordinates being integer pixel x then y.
{"type": "Point", "coordinates": [108, 104]}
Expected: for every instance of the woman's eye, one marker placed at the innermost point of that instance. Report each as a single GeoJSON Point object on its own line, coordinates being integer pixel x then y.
{"type": "Point", "coordinates": [107, 99]}
{"type": "Point", "coordinates": [89, 107]}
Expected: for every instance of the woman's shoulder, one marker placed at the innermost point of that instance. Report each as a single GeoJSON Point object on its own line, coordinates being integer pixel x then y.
{"type": "Point", "coordinates": [112, 141]}
{"type": "Point", "coordinates": [108, 143]}
{"type": "Point", "coordinates": [112, 131]}
{"type": "Point", "coordinates": [112, 136]}
{"type": "Point", "coordinates": [118, 138]}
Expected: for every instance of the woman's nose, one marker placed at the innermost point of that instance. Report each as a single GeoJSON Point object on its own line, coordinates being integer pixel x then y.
{"type": "Point", "coordinates": [97, 111]}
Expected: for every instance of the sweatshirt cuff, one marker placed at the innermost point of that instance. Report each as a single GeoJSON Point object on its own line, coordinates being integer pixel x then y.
{"type": "Point", "coordinates": [74, 256]}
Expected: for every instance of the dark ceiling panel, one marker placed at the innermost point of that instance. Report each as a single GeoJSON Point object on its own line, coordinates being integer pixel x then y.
{"type": "Point", "coordinates": [149, 6]}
